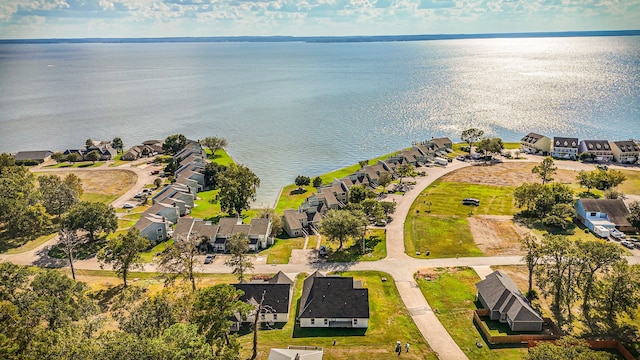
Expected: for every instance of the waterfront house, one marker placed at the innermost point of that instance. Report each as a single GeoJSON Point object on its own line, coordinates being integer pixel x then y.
{"type": "Point", "coordinates": [533, 143]}
{"type": "Point", "coordinates": [500, 295]}
{"type": "Point", "coordinates": [442, 143]}
{"type": "Point", "coordinates": [154, 227]}
{"type": "Point", "coordinates": [32, 156]}
{"type": "Point", "coordinates": [205, 231]}
{"type": "Point", "coordinates": [625, 152]}
{"type": "Point", "coordinates": [258, 232]}
{"type": "Point", "coordinates": [565, 148]}
{"type": "Point", "coordinates": [177, 194]}
{"type": "Point", "coordinates": [298, 223]}
{"type": "Point", "coordinates": [104, 149]}
{"type": "Point", "coordinates": [277, 293]}
{"type": "Point", "coordinates": [599, 149]}
{"type": "Point", "coordinates": [333, 302]}
{"type": "Point", "coordinates": [608, 213]}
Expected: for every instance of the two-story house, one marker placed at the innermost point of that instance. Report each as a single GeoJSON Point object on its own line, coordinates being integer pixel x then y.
{"type": "Point", "coordinates": [600, 150]}
{"type": "Point", "coordinates": [565, 148]}
{"type": "Point", "coordinates": [625, 152]}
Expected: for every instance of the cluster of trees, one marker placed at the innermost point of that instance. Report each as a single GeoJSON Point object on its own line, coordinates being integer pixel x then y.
{"type": "Point", "coordinates": [214, 143]}
{"type": "Point", "coordinates": [591, 273]}
{"type": "Point", "coordinates": [600, 179]}
{"type": "Point", "coordinates": [486, 145]}
{"type": "Point", "coordinates": [47, 315]}
{"type": "Point", "coordinates": [552, 203]}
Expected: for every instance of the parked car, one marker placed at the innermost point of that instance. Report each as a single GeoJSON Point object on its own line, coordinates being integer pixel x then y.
{"type": "Point", "coordinates": [155, 172]}
{"type": "Point", "coordinates": [471, 201]}
{"type": "Point", "coordinates": [627, 244]}
{"type": "Point", "coordinates": [128, 206]}
{"type": "Point", "coordinates": [209, 259]}
{"type": "Point", "coordinates": [617, 234]}
{"type": "Point", "coordinates": [137, 196]}
{"type": "Point", "coordinates": [323, 251]}
{"type": "Point", "coordinates": [637, 244]}
{"type": "Point", "coordinates": [460, 158]}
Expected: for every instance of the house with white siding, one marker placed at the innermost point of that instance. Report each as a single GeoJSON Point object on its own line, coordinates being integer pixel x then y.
{"type": "Point", "coordinates": [564, 148]}
{"type": "Point", "coordinates": [625, 152]}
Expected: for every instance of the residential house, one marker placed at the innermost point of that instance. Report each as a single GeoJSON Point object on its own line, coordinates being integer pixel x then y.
{"type": "Point", "coordinates": [372, 172]}
{"type": "Point", "coordinates": [608, 213]}
{"type": "Point", "coordinates": [296, 223]}
{"type": "Point", "coordinates": [276, 293]}
{"type": "Point", "coordinates": [192, 184]}
{"type": "Point", "coordinates": [138, 151]}
{"type": "Point", "coordinates": [333, 301]}
{"type": "Point", "coordinates": [187, 172]}
{"type": "Point", "coordinates": [104, 149]}
{"type": "Point", "coordinates": [625, 152]}
{"type": "Point", "coordinates": [565, 148]}
{"type": "Point", "coordinates": [32, 156]}
{"type": "Point", "coordinates": [258, 231]}
{"type": "Point", "coordinates": [177, 194]}
{"type": "Point", "coordinates": [169, 212]}
{"type": "Point", "coordinates": [599, 149]}
{"type": "Point", "coordinates": [154, 227]}
{"type": "Point", "coordinates": [533, 143]}
{"type": "Point", "coordinates": [442, 143]}
{"type": "Point", "coordinates": [296, 353]}
{"type": "Point", "coordinates": [500, 295]}
{"type": "Point", "coordinates": [204, 230]}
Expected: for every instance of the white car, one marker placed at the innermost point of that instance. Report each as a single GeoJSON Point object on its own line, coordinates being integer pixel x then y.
{"type": "Point", "coordinates": [627, 244]}
{"type": "Point", "coordinates": [617, 234]}
{"type": "Point", "coordinates": [128, 206]}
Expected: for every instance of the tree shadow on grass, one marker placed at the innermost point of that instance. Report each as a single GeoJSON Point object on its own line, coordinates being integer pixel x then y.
{"type": "Point", "coordinates": [354, 252]}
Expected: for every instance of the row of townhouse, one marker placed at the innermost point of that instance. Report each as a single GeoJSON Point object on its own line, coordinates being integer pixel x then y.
{"type": "Point", "coordinates": [215, 236]}
{"type": "Point", "coordinates": [335, 196]}
{"type": "Point", "coordinates": [104, 148]}
{"type": "Point", "coordinates": [146, 149]}
{"type": "Point", "coordinates": [627, 151]}
{"type": "Point", "coordinates": [177, 199]}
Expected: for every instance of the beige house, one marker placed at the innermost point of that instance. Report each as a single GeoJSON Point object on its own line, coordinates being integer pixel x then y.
{"type": "Point", "coordinates": [534, 143]}
{"type": "Point", "coordinates": [625, 152]}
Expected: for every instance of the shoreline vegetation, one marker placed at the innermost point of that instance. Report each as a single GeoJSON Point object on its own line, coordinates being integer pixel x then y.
{"type": "Point", "coordinates": [329, 39]}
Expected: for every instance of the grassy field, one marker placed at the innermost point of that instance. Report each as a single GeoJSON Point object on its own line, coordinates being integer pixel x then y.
{"type": "Point", "coordinates": [437, 221]}
{"type": "Point", "coordinates": [375, 243]}
{"type": "Point", "coordinates": [204, 208]}
{"type": "Point", "coordinates": [280, 252]}
{"type": "Point", "coordinates": [451, 295]}
{"type": "Point", "coordinates": [79, 164]}
{"type": "Point", "coordinates": [389, 322]}
{"type": "Point", "coordinates": [632, 184]}
{"type": "Point", "coordinates": [148, 256]}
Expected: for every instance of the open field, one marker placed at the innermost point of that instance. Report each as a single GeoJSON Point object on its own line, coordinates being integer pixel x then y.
{"type": "Point", "coordinates": [389, 322]}
{"type": "Point", "coordinates": [451, 293]}
{"type": "Point", "coordinates": [497, 236]}
{"type": "Point", "coordinates": [504, 174]}
{"type": "Point", "coordinates": [204, 208]}
{"type": "Point", "coordinates": [632, 184]}
{"type": "Point", "coordinates": [100, 185]}
{"type": "Point", "coordinates": [280, 252]}
{"type": "Point", "coordinates": [79, 164]}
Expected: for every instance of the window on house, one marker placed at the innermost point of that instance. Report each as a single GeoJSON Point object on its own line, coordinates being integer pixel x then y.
{"type": "Point", "coordinates": [262, 316]}
{"type": "Point", "coordinates": [326, 321]}
{"type": "Point", "coordinates": [592, 214]}
{"type": "Point", "coordinates": [275, 317]}
{"type": "Point", "coordinates": [313, 321]}
{"type": "Point", "coordinates": [355, 321]}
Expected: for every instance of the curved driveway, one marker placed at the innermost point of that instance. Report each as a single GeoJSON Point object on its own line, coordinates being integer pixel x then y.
{"type": "Point", "coordinates": [397, 263]}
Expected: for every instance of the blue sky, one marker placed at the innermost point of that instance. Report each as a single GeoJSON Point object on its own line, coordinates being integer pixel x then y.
{"type": "Point", "coordinates": [158, 18]}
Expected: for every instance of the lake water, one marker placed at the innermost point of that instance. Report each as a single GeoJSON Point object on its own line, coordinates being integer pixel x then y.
{"type": "Point", "coordinates": [298, 108]}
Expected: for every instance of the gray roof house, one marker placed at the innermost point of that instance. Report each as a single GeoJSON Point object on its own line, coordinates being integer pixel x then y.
{"type": "Point", "coordinates": [181, 195]}
{"type": "Point", "coordinates": [500, 295]}
{"type": "Point", "coordinates": [600, 149]}
{"type": "Point", "coordinates": [277, 293]}
{"type": "Point", "coordinates": [333, 301]}
{"type": "Point", "coordinates": [154, 227]}
{"type": "Point", "coordinates": [35, 156]}
{"type": "Point", "coordinates": [625, 151]}
{"type": "Point", "coordinates": [170, 212]}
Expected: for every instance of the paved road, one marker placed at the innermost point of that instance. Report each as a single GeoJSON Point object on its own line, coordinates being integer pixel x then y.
{"type": "Point", "coordinates": [397, 263]}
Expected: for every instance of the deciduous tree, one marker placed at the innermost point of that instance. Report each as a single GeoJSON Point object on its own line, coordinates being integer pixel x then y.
{"type": "Point", "coordinates": [214, 143]}
{"type": "Point", "coordinates": [302, 180]}
{"type": "Point", "coordinates": [58, 196]}
{"type": "Point", "coordinates": [117, 144]}
{"type": "Point", "coordinates": [240, 261]}
{"type": "Point", "coordinates": [490, 146]}
{"type": "Point", "coordinates": [123, 253]}
{"type": "Point", "coordinates": [405, 170]}
{"type": "Point", "coordinates": [470, 136]}
{"type": "Point", "coordinates": [317, 182]}
{"type": "Point", "coordinates": [181, 259]}
{"type": "Point", "coordinates": [238, 186]}
{"type": "Point", "coordinates": [533, 247]}
{"type": "Point", "coordinates": [68, 242]}
{"type": "Point", "coordinates": [93, 217]}
{"type": "Point", "coordinates": [545, 170]}
{"type": "Point", "coordinates": [634, 214]}
{"type": "Point", "coordinates": [174, 143]}
{"type": "Point", "coordinates": [566, 348]}
{"type": "Point", "coordinates": [339, 225]}
{"type": "Point", "coordinates": [385, 179]}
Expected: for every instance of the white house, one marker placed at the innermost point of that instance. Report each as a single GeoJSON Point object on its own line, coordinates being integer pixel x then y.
{"type": "Point", "coordinates": [565, 148]}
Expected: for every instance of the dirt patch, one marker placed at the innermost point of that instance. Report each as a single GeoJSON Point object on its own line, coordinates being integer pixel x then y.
{"type": "Point", "coordinates": [107, 182]}
{"type": "Point", "coordinates": [496, 235]}
{"type": "Point", "coordinates": [505, 174]}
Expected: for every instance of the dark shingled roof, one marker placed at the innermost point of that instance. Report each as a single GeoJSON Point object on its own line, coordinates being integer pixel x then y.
{"type": "Point", "coordinates": [615, 209]}
{"type": "Point", "coordinates": [32, 155]}
{"type": "Point", "coordinates": [333, 297]}
{"type": "Point", "coordinates": [627, 146]}
{"type": "Point", "coordinates": [276, 296]}
{"type": "Point", "coordinates": [565, 142]}
{"type": "Point", "coordinates": [531, 138]}
{"type": "Point", "coordinates": [501, 294]}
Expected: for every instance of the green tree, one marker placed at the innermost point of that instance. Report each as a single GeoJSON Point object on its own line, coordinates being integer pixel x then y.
{"type": "Point", "coordinates": [533, 247]}
{"type": "Point", "coordinates": [56, 299]}
{"type": "Point", "coordinates": [567, 348]}
{"type": "Point", "coordinates": [587, 179]}
{"type": "Point", "coordinates": [73, 181]}
{"type": "Point", "coordinates": [607, 179]}
{"type": "Point", "coordinates": [93, 217]}
{"type": "Point", "coordinates": [619, 291]}
{"type": "Point", "coordinates": [74, 157]}
{"type": "Point", "coordinates": [385, 178]}
{"type": "Point", "coordinates": [557, 251]}
{"type": "Point", "coordinates": [277, 225]}
{"type": "Point", "coordinates": [613, 194]}
{"type": "Point", "coordinates": [214, 143]}
{"type": "Point", "coordinates": [340, 225]}
{"type": "Point", "coordinates": [212, 309]}
{"type": "Point", "coordinates": [470, 136]}
{"type": "Point", "coordinates": [174, 143]}
{"type": "Point", "coordinates": [58, 196]}
{"type": "Point", "coordinates": [389, 207]}
{"type": "Point", "coordinates": [545, 170]}
{"type": "Point", "coordinates": [212, 173]}
{"type": "Point", "coordinates": [181, 259]}
{"type": "Point", "coordinates": [117, 144]}
{"type": "Point", "coordinates": [58, 157]}
{"type": "Point", "coordinates": [184, 343]}
{"type": "Point", "coordinates": [6, 160]}
{"type": "Point", "coordinates": [373, 210]}
{"type": "Point", "coordinates": [490, 146]}
{"type": "Point", "coordinates": [560, 216]}
{"type": "Point", "coordinates": [317, 182]}
{"type": "Point", "coordinates": [123, 253]}
{"type": "Point", "coordinates": [404, 170]}
{"type": "Point", "coordinates": [157, 182]}
{"type": "Point", "coordinates": [238, 186]}
{"type": "Point", "coordinates": [151, 317]}
{"type": "Point", "coordinates": [634, 214]}
{"type": "Point", "coordinates": [240, 261]}
{"type": "Point", "coordinates": [302, 180]}
{"type": "Point", "coordinates": [12, 279]}
{"type": "Point", "coordinates": [357, 194]}
{"type": "Point", "coordinates": [88, 143]}
{"type": "Point", "coordinates": [363, 163]}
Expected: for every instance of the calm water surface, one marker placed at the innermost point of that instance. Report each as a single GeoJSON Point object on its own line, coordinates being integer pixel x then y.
{"type": "Point", "coordinates": [292, 109]}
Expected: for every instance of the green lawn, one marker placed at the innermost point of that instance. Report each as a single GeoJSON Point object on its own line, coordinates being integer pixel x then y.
{"type": "Point", "coordinates": [452, 295]}
{"type": "Point", "coordinates": [437, 221]}
{"type": "Point", "coordinates": [204, 208]}
{"type": "Point", "coordinates": [79, 164]}
{"type": "Point", "coordinates": [16, 246]}
{"type": "Point", "coordinates": [375, 245]}
{"type": "Point", "coordinates": [280, 252]}
{"type": "Point", "coordinates": [148, 256]}
{"type": "Point", "coordinates": [632, 184]}
{"type": "Point", "coordinates": [98, 197]}
{"type": "Point", "coordinates": [389, 322]}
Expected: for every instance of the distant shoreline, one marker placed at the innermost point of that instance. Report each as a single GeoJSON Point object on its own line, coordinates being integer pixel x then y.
{"type": "Point", "coordinates": [329, 39]}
